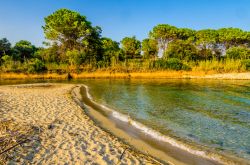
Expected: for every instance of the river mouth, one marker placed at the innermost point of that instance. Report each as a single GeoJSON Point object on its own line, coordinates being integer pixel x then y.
{"type": "Point", "coordinates": [148, 141]}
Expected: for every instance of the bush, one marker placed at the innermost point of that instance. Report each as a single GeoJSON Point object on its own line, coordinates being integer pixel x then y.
{"type": "Point", "coordinates": [171, 63]}
{"type": "Point", "coordinates": [35, 65]}
{"type": "Point", "coordinates": [182, 50]}
{"type": "Point", "coordinates": [246, 63]}
{"type": "Point", "coordinates": [238, 53]}
{"type": "Point", "coordinates": [174, 64]}
{"type": "Point", "coordinates": [7, 63]}
{"type": "Point", "coordinates": [76, 57]}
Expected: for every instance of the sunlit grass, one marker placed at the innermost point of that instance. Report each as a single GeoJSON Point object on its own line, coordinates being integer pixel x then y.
{"type": "Point", "coordinates": [32, 76]}
{"type": "Point", "coordinates": [223, 66]}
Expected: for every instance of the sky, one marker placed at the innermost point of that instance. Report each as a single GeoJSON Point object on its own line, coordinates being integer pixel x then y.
{"type": "Point", "coordinates": [23, 19]}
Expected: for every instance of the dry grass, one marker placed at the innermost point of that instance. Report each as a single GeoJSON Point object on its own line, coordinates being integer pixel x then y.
{"type": "Point", "coordinates": [20, 76]}
{"type": "Point", "coordinates": [149, 75]}
{"type": "Point", "coordinates": [223, 66]}
{"type": "Point", "coordinates": [123, 75]}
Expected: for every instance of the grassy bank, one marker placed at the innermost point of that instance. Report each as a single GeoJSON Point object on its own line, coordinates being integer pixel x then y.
{"type": "Point", "coordinates": [123, 75]}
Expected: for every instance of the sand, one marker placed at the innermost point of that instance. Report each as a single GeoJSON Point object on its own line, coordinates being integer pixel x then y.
{"type": "Point", "coordinates": [66, 134]}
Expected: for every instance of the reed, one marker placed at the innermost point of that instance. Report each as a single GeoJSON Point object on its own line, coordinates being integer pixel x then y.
{"type": "Point", "coordinates": [220, 66]}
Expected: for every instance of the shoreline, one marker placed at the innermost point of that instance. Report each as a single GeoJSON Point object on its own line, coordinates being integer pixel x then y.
{"type": "Point", "coordinates": [147, 137]}
{"type": "Point", "coordinates": [66, 133]}
{"type": "Point", "coordinates": [132, 75]}
{"type": "Point", "coordinates": [131, 146]}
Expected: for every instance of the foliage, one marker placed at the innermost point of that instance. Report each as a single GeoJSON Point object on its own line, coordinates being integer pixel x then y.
{"type": "Point", "coordinates": [186, 34]}
{"type": "Point", "coordinates": [111, 51]}
{"type": "Point", "coordinates": [51, 54]}
{"type": "Point", "coordinates": [163, 34]}
{"type": "Point", "coordinates": [227, 65]}
{"type": "Point", "coordinates": [171, 64]}
{"type": "Point", "coordinates": [238, 53]}
{"type": "Point", "coordinates": [72, 31]}
{"type": "Point", "coordinates": [75, 57]}
{"type": "Point", "coordinates": [131, 46]}
{"type": "Point", "coordinates": [23, 50]}
{"type": "Point", "coordinates": [149, 48]}
{"type": "Point", "coordinates": [246, 63]}
{"type": "Point", "coordinates": [67, 28]}
{"type": "Point", "coordinates": [74, 45]}
{"type": "Point", "coordinates": [35, 65]}
{"type": "Point", "coordinates": [182, 50]}
{"type": "Point", "coordinates": [5, 47]}
{"type": "Point", "coordinates": [233, 36]}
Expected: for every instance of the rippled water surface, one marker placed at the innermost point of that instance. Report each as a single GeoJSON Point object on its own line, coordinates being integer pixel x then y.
{"type": "Point", "coordinates": [208, 112]}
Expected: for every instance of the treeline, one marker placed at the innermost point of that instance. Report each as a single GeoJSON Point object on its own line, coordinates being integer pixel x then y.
{"type": "Point", "coordinates": [75, 46]}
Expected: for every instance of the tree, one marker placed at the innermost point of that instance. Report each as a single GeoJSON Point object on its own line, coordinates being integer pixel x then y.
{"type": "Point", "coordinates": [75, 57]}
{"type": "Point", "coordinates": [73, 31]}
{"type": "Point", "coordinates": [111, 51]}
{"type": "Point", "coordinates": [5, 47]}
{"type": "Point", "coordinates": [186, 34]}
{"type": "Point", "coordinates": [232, 36]}
{"type": "Point", "coordinates": [50, 54]}
{"type": "Point", "coordinates": [207, 38]}
{"type": "Point", "coordinates": [149, 48]}
{"type": "Point", "coordinates": [91, 45]}
{"type": "Point", "coordinates": [131, 47]}
{"type": "Point", "coordinates": [238, 53]}
{"type": "Point", "coordinates": [206, 41]}
{"type": "Point", "coordinates": [182, 50]}
{"type": "Point", "coordinates": [164, 34]}
{"type": "Point", "coordinates": [229, 37]}
{"type": "Point", "coordinates": [67, 28]}
{"type": "Point", "coordinates": [24, 50]}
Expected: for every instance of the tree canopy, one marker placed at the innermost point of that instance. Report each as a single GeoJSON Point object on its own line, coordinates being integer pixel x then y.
{"type": "Point", "coordinates": [5, 46]}
{"type": "Point", "coordinates": [149, 48]}
{"type": "Point", "coordinates": [72, 42]}
{"type": "Point", "coordinates": [131, 47]}
{"type": "Point", "coordinates": [68, 28]}
{"type": "Point", "coordinates": [24, 50]}
{"type": "Point", "coordinates": [163, 34]}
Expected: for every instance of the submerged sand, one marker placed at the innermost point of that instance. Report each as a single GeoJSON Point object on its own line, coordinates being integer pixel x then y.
{"type": "Point", "coordinates": [66, 134]}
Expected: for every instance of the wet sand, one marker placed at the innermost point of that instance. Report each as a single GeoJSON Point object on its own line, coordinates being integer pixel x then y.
{"type": "Point", "coordinates": [67, 135]}
{"type": "Point", "coordinates": [168, 152]}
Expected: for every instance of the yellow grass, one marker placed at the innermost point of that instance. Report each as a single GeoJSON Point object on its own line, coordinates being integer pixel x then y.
{"type": "Point", "coordinates": [153, 74]}
{"type": "Point", "coordinates": [121, 75]}
{"type": "Point", "coordinates": [20, 76]}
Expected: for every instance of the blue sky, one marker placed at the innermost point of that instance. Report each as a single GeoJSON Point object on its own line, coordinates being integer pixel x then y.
{"type": "Point", "coordinates": [22, 19]}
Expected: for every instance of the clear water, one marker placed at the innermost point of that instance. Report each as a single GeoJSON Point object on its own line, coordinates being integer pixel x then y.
{"type": "Point", "coordinates": [211, 113]}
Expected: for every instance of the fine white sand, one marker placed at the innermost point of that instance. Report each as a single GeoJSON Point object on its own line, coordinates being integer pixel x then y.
{"type": "Point", "coordinates": [68, 135]}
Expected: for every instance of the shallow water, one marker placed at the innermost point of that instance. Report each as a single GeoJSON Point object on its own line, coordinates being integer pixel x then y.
{"type": "Point", "coordinates": [211, 113]}
{"type": "Point", "coordinates": [215, 114]}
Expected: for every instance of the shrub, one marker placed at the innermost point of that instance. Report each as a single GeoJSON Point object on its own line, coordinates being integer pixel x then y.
{"type": "Point", "coordinates": [238, 53]}
{"type": "Point", "coordinates": [246, 63]}
{"type": "Point", "coordinates": [174, 64]}
{"type": "Point", "coordinates": [76, 57]}
{"type": "Point", "coordinates": [35, 65]}
{"type": "Point", "coordinates": [171, 63]}
{"type": "Point", "coordinates": [182, 50]}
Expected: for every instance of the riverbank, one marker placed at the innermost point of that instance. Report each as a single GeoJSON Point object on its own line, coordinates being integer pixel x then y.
{"type": "Point", "coordinates": [64, 133]}
{"type": "Point", "coordinates": [134, 75]}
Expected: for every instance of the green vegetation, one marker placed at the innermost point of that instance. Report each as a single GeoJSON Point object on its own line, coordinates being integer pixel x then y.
{"type": "Point", "coordinates": [75, 46]}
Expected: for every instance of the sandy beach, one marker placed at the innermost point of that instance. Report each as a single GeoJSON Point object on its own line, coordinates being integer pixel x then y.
{"type": "Point", "coordinates": [64, 133]}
